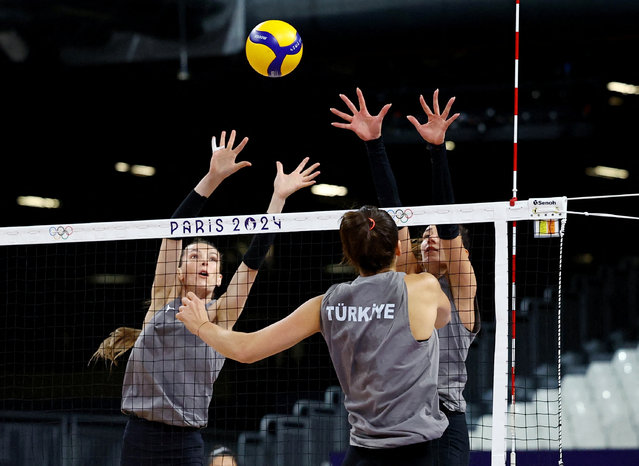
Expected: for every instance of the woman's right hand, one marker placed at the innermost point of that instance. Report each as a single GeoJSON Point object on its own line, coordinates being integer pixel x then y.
{"type": "Point", "coordinates": [223, 158]}
{"type": "Point", "coordinates": [367, 127]}
{"type": "Point", "coordinates": [193, 313]}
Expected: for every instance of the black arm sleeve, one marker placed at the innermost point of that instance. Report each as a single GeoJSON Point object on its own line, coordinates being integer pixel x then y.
{"type": "Point", "coordinates": [258, 249]}
{"type": "Point", "coordinates": [383, 178]}
{"type": "Point", "coordinates": [442, 186]}
{"type": "Point", "coordinates": [191, 206]}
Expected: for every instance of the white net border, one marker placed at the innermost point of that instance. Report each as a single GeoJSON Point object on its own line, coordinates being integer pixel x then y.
{"type": "Point", "coordinates": [532, 209]}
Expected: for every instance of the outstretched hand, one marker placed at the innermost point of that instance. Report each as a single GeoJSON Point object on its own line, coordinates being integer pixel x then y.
{"type": "Point", "coordinates": [301, 177]}
{"type": "Point", "coordinates": [434, 131]}
{"type": "Point", "coordinates": [223, 158]}
{"type": "Point", "coordinates": [366, 126]}
{"type": "Point", "coordinates": [192, 312]}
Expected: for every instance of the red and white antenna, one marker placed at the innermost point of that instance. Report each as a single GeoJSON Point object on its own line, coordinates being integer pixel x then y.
{"type": "Point", "coordinates": [513, 294]}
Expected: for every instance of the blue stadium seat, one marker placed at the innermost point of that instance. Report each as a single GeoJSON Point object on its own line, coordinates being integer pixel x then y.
{"type": "Point", "coordinates": [251, 449]}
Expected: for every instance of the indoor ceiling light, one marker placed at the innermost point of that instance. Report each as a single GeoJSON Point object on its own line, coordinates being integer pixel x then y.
{"type": "Point", "coordinates": [329, 190]}
{"type": "Point", "coordinates": [137, 170]}
{"type": "Point", "coordinates": [39, 202]}
{"type": "Point", "coordinates": [623, 88]}
{"type": "Point", "coordinates": [142, 170]}
{"type": "Point", "coordinates": [607, 172]}
{"type": "Point", "coordinates": [122, 167]}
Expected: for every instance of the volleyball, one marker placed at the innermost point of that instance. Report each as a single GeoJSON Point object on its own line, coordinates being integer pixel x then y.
{"type": "Point", "coordinates": [274, 48]}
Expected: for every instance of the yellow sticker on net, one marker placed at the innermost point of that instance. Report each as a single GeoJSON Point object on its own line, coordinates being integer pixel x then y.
{"type": "Point", "coordinates": [546, 228]}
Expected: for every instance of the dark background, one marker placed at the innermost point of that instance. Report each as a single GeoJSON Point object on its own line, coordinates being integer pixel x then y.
{"type": "Point", "coordinates": [86, 84]}
{"type": "Point", "coordinates": [74, 104]}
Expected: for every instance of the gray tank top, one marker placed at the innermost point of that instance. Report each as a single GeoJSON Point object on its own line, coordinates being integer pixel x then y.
{"type": "Point", "coordinates": [389, 378]}
{"type": "Point", "coordinates": [170, 373]}
{"type": "Point", "coordinates": [454, 342]}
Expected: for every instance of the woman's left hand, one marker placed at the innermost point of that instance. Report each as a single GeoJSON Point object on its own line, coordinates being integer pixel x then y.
{"type": "Point", "coordinates": [301, 177]}
{"type": "Point", "coordinates": [434, 131]}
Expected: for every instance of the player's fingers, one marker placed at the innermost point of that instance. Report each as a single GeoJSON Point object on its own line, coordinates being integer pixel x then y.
{"type": "Point", "coordinates": [341, 125]}
{"type": "Point", "coordinates": [348, 103]}
{"type": "Point", "coordinates": [413, 120]}
{"type": "Point", "coordinates": [425, 106]}
{"type": "Point", "coordinates": [311, 169]}
{"type": "Point", "coordinates": [436, 101]}
{"type": "Point", "coordinates": [447, 108]}
{"type": "Point", "coordinates": [361, 101]}
{"type": "Point", "coordinates": [223, 139]}
{"type": "Point", "coordinates": [343, 115]}
{"type": "Point", "coordinates": [231, 139]}
{"type": "Point", "coordinates": [240, 146]}
{"type": "Point", "coordinates": [311, 176]}
{"type": "Point", "coordinates": [279, 167]}
{"type": "Point", "coordinates": [240, 165]}
{"type": "Point", "coordinates": [384, 110]}
{"type": "Point", "coordinates": [451, 119]}
{"type": "Point", "coordinates": [302, 164]}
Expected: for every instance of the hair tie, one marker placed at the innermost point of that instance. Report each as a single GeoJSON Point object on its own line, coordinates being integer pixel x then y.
{"type": "Point", "coordinates": [221, 451]}
{"type": "Point", "coordinates": [372, 223]}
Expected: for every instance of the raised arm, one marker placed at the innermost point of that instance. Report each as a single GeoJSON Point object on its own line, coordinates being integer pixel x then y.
{"type": "Point", "coordinates": [434, 133]}
{"type": "Point", "coordinates": [221, 165]}
{"type": "Point", "coordinates": [368, 128]}
{"type": "Point", "coordinates": [251, 347]}
{"type": "Point", "coordinates": [165, 285]}
{"type": "Point", "coordinates": [460, 270]}
{"type": "Point", "coordinates": [231, 303]}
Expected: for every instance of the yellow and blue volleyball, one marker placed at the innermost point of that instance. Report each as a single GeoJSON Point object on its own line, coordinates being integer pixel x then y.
{"type": "Point", "coordinates": [274, 48]}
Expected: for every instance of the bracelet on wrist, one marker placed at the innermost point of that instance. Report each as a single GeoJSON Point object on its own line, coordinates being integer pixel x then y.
{"type": "Point", "coordinates": [198, 329]}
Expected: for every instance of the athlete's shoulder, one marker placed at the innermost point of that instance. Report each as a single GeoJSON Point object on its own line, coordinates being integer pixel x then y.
{"type": "Point", "coordinates": [423, 279]}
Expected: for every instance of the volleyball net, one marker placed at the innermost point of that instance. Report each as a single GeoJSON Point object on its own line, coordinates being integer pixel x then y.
{"type": "Point", "coordinates": [67, 287]}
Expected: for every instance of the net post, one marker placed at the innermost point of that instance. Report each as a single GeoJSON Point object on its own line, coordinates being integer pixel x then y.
{"type": "Point", "coordinates": [500, 362]}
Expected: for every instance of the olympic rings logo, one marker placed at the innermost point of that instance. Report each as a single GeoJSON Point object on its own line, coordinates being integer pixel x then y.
{"type": "Point", "coordinates": [401, 215]}
{"type": "Point", "coordinates": [61, 232]}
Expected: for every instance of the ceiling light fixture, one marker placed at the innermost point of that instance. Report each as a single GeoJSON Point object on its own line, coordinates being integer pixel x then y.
{"type": "Point", "coordinates": [38, 202]}
{"type": "Point", "coordinates": [623, 88]}
{"type": "Point", "coordinates": [607, 172]}
{"type": "Point", "coordinates": [329, 190]}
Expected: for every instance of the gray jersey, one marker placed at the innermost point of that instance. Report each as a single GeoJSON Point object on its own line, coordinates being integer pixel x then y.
{"type": "Point", "coordinates": [454, 342]}
{"type": "Point", "coordinates": [170, 374]}
{"type": "Point", "coordinates": [388, 377]}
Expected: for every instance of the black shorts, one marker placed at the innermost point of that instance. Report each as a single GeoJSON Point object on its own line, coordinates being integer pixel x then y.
{"type": "Point", "coordinates": [148, 443]}
{"type": "Point", "coordinates": [418, 454]}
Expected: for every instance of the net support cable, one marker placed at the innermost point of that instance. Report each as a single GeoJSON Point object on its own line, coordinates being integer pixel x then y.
{"type": "Point", "coordinates": [607, 196]}
{"type": "Point", "coordinates": [601, 214]}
